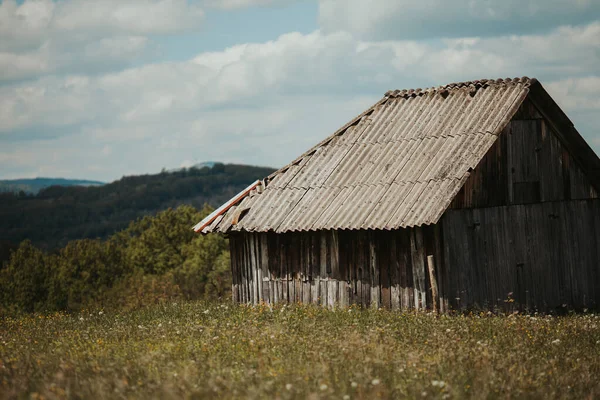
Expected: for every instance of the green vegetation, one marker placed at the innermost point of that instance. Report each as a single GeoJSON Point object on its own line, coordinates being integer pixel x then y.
{"type": "Point", "coordinates": [155, 258]}
{"type": "Point", "coordinates": [57, 215]}
{"type": "Point", "coordinates": [202, 350]}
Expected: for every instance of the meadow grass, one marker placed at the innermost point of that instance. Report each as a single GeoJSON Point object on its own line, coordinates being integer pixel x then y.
{"type": "Point", "coordinates": [200, 350]}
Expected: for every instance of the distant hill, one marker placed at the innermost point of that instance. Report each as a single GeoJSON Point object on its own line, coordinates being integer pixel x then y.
{"type": "Point", "coordinates": [58, 214]}
{"type": "Point", "coordinates": [33, 186]}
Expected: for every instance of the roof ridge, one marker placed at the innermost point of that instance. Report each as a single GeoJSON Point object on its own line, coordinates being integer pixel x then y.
{"type": "Point", "coordinates": [369, 184]}
{"type": "Point", "coordinates": [406, 93]}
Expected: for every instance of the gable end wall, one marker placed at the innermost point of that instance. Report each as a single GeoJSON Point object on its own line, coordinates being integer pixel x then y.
{"type": "Point", "coordinates": [527, 164]}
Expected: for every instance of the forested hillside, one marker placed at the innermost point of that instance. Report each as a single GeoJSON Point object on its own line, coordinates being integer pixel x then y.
{"type": "Point", "coordinates": [57, 215]}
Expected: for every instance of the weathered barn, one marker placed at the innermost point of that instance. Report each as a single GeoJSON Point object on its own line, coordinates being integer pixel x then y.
{"type": "Point", "coordinates": [462, 195]}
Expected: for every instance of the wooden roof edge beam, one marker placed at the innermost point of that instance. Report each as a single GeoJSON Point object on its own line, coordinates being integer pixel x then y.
{"type": "Point", "coordinates": [233, 201]}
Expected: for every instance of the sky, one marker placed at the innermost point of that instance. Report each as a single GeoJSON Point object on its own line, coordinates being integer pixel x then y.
{"type": "Point", "coordinates": [100, 89]}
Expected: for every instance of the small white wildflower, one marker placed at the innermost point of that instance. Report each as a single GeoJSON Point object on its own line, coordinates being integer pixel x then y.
{"type": "Point", "coordinates": [216, 338]}
{"type": "Point", "coordinates": [100, 313]}
{"type": "Point", "coordinates": [323, 386]}
{"type": "Point", "coordinates": [439, 384]}
{"type": "Point", "coordinates": [272, 336]}
{"type": "Point", "coordinates": [448, 330]}
{"type": "Point", "coordinates": [423, 394]}
{"type": "Point", "coordinates": [354, 384]}
{"type": "Point", "coordinates": [251, 341]}
{"type": "Point", "coordinates": [178, 332]}
{"type": "Point", "coordinates": [140, 327]}
{"type": "Point", "coordinates": [375, 382]}
{"type": "Point", "coordinates": [81, 318]}
{"type": "Point", "coordinates": [557, 341]}
{"type": "Point", "coordinates": [159, 325]}
{"type": "Point", "coordinates": [288, 386]}
{"type": "Point", "coordinates": [401, 370]}
{"type": "Point", "coordinates": [206, 311]}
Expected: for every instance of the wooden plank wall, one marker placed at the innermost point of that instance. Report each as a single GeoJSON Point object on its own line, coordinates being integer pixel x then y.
{"type": "Point", "coordinates": [545, 254]}
{"type": "Point", "coordinates": [331, 268]}
{"type": "Point", "coordinates": [527, 164]}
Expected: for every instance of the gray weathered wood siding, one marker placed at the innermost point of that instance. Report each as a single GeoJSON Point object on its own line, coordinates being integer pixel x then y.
{"type": "Point", "coordinates": [370, 268]}
{"type": "Point", "coordinates": [527, 164]}
{"type": "Point", "coordinates": [545, 254]}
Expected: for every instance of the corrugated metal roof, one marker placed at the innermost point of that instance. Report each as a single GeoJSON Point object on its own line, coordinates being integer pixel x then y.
{"type": "Point", "coordinates": [398, 164]}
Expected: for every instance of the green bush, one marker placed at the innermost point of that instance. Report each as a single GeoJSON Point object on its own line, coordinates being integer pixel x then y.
{"type": "Point", "coordinates": [205, 273]}
{"type": "Point", "coordinates": [156, 258]}
{"type": "Point", "coordinates": [23, 281]}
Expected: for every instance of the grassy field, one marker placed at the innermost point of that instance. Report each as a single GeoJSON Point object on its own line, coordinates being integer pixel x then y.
{"type": "Point", "coordinates": [197, 350]}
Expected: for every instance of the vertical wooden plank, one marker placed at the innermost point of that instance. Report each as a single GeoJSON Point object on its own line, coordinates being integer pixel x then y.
{"type": "Point", "coordinates": [384, 264]}
{"type": "Point", "coordinates": [264, 266]}
{"type": "Point", "coordinates": [332, 291]}
{"type": "Point", "coordinates": [323, 268]}
{"type": "Point", "coordinates": [439, 255]}
{"type": "Point", "coordinates": [509, 162]}
{"type": "Point", "coordinates": [256, 282]}
{"type": "Point", "coordinates": [258, 267]}
{"type": "Point", "coordinates": [405, 268]}
{"type": "Point", "coordinates": [345, 256]}
{"type": "Point", "coordinates": [418, 263]}
{"type": "Point", "coordinates": [314, 291]}
{"type": "Point", "coordinates": [335, 255]}
{"type": "Point", "coordinates": [358, 259]}
{"type": "Point", "coordinates": [433, 280]}
{"type": "Point", "coordinates": [365, 267]}
{"type": "Point", "coordinates": [281, 244]}
{"type": "Point", "coordinates": [243, 265]}
{"type": "Point", "coordinates": [292, 266]}
{"type": "Point", "coordinates": [248, 268]}
{"type": "Point", "coordinates": [394, 272]}
{"type": "Point", "coordinates": [306, 267]}
{"type": "Point", "coordinates": [274, 266]}
{"type": "Point", "coordinates": [374, 271]}
{"type": "Point", "coordinates": [315, 250]}
{"type": "Point", "coordinates": [234, 279]}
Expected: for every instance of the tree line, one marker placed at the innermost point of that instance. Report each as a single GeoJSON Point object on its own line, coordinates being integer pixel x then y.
{"type": "Point", "coordinates": [155, 258]}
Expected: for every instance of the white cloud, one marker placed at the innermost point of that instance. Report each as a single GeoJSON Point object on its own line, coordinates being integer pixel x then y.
{"type": "Point", "coordinates": [31, 24]}
{"type": "Point", "coordinates": [408, 19]}
{"type": "Point", "coordinates": [265, 103]}
{"type": "Point", "coordinates": [133, 16]}
{"type": "Point", "coordinates": [56, 56]}
{"type": "Point", "coordinates": [578, 93]}
{"type": "Point", "coordinates": [40, 37]}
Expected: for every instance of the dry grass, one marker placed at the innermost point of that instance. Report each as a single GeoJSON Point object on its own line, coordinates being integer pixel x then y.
{"type": "Point", "coordinates": [199, 350]}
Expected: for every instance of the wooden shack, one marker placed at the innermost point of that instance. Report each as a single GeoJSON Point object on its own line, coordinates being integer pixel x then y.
{"type": "Point", "coordinates": [473, 194]}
